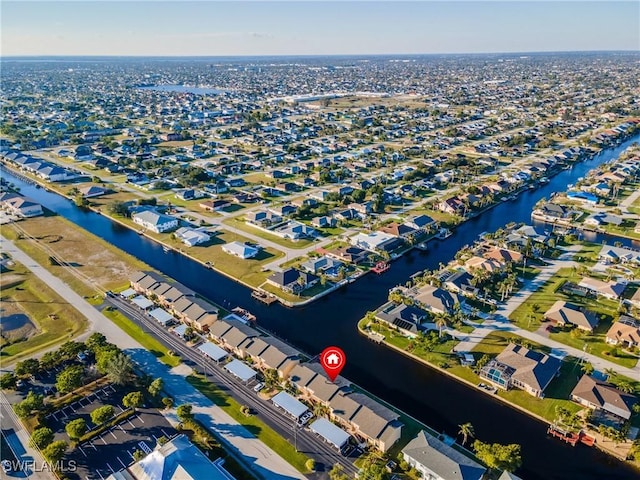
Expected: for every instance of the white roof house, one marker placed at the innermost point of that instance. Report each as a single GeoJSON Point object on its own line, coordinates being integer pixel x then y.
{"type": "Point", "coordinates": [240, 250]}
{"type": "Point", "coordinates": [371, 241]}
{"type": "Point", "coordinates": [191, 237]}
{"type": "Point", "coordinates": [154, 221]}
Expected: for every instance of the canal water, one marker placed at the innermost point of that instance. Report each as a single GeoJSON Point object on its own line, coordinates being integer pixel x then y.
{"type": "Point", "coordinates": [429, 396]}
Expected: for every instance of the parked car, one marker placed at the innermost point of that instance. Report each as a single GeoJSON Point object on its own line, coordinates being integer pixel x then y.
{"type": "Point", "coordinates": [305, 418]}
{"type": "Point", "coordinates": [258, 387]}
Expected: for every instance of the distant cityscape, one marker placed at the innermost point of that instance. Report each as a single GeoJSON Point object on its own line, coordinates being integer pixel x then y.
{"type": "Point", "coordinates": [476, 217]}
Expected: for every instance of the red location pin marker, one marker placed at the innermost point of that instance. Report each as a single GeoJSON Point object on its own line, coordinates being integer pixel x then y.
{"type": "Point", "coordinates": [333, 360]}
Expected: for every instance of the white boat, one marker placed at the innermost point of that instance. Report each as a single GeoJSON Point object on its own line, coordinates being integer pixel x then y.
{"type": "Point", "coordinates": [443, 233]}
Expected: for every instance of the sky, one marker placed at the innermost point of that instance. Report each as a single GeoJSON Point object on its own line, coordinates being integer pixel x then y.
{"type": "Point", "coordinates": [217, 28]}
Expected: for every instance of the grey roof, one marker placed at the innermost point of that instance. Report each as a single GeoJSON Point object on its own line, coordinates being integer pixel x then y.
{"type": "Point", "coordinates": [436, 298]}
{"type": "Point", "coordinates": [212, 351]}
{"type": "Point", "coordinates": [147, 279]}
{"type": "Point", "coordinates": [240, 370]}
{"type": "Point", "coordinates": [605, 396]}
{"type": "Point", "coordinates": [301, 375]}
{"type": "Point", "coordinates": [219, 328]}
{"type": "Point", "coordinates": [178, 459]}
{"type": "Point", "coordinates": [322, 388]}
{"type": "Point", "coordinates": [289, 404]}
{"type": "Point", "coordinates": [161, 315]}
{"type": "Point", "coordinates": [443, 460]}
{"type": "Point", "coordinates": [372, 418]}
{"type": "Point", "coordinates": [563, 312]}
{"type": "Point", "coordinates": [257, 347]}
{"type": "Point", "coordinates": [532, 368]}
{"type": "Point", "coordinates": [344, 406]}
{"type": "Point", "coordinates": [330, 432]}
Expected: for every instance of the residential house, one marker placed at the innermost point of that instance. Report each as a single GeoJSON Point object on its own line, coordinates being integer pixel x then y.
{"type": "Point", "coordinates": [599, 395]}
{"type": "Point", "coordinates": [626, 331]}
{"type": "Point", "coordinates": [263, 218]}
{"type": "Point", "coordinates": [21, 206]}
{"type": "Point", "coordinates": [435, 460]}
{"type": "Point", "coordinates": [421, 223]}
{"type": "Point", "coordinates": [517, 366]}
{"type": "Point", "coordinates": [154, 221]}
{"type": "Point", "coordinates": [192, 237]}
{"type": "Point", "coordinates": [402, 230]}
{"type": "Point", "coordinates": [407, 318]}
{"type": "Point", "coordinates": [375, 241]}
{"type": "Point", "coordinates": [437, 300]}
{"type": "Point", "coordinates": [612, 290]}
{"type": "Point", "coordinates": [93, 191]}
{"type": "Point", "coordinates": [237, 338]}
{"type": "Point", "coordinates": [461, 282]}
{"type": "Point", "coordinates": [355, 255]}
{"type": "Point", "coordinates": [503, 255]}
{"type": "Point", "coordinates": [240, 250]}
{"type": "Point", "coordinates": [453, 206]}
{"type": "Point", "coordinates": [323, 222]}
{"type": "Point", "coordinates": [213, 205]}
{"type": "Point", "coordinates": [292, 280]}
{"type": "Point", "coordinates": [562, 313]}
{"type": "Point", "coordinates": [325, 264]}
{"type": "Point", "coordinates": [609, 254]}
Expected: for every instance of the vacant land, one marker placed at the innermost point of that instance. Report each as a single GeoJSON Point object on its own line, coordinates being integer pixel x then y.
{"type": "Point", "coordinates": [45, 318]}
{"type": "Point", "coordinates": [92, 264]}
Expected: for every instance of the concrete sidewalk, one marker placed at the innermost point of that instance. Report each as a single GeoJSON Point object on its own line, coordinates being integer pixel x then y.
{"type": "Point", "coordinates": [269, 464]}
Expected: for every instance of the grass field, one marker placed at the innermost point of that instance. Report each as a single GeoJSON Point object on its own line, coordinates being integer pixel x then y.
{"type": "Point", "coordinates": [147, 341]}
{"type": "Point", "coordinates": [94, 263]}
{"type": "Point", "coordinates": [255, 425]}
{"type": "Point", "coordinates": [54, 319]}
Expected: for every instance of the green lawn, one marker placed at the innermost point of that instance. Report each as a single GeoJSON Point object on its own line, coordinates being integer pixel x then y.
{"type": "Point", "coordinates": [255, 425]}
{"type": "Point", "coordinates": [145, 339]}
{"type": "Point", "coordinates": [55, 320]}
{"type": "Point", "coordinates": [258, 232]}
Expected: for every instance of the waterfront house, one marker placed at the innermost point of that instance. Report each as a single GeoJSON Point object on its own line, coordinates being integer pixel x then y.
{"type": "Point", "coordinates": [599, 395]}
{"type": "Point", "coordinates": [375, 423]}
{"type": "Point", "coordinates": [436, 300]}
{"type": "Point", "coordinates": [553, 210]}
{"type": "Point", "coordinates": [517, 366]}
{"type": "Point", "coordinates": [421, 223]}
{"type": "Point", "coordinates": [143, 281]}
{"type": "Point", "coordinates": [155, 221]}
{"type": "Point", "coordinates": [348, 254]}
{"type": "Point", "coordinates": [402, 230]}
{"type": "Point", "coordinates": [237, 338]}
{"type": "Point", "coordinates": [200, 314]}
{"type": "Point", "coordinates": [407, 318]}
{"type": "Point", "coordinates": [240, 250]}
{"type": "Point", "coordinates": [435, 460]}
{"type": "Point", "coordinates": [460, 282]}
{"type": "Point", "coordinates": [374, 241]}
{"type": "Point", "coordinates": [626, 332]}
{"type": "Point", "coordinates": [325, 264]}
{"type": "Point", "coordinates": [93, 191]}
{"type": "Point", "coordinates": [292, 280]}
{"type": "Point", "coordinates": [503, 255]}
{"type": "Point", "coordinates": [562, 313]}
{"type": "Point", "coordinates": [192, 237]}
{"type": "Point", "coordinates": [16, 204]}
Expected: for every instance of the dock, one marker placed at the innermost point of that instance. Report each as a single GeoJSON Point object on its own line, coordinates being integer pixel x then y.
{"type": "Point", "coordinates": [571, 438]}
{"type": "Point", "coordinates": [381, 267]}
{"type": "Point", "coordinates": [264, 297]}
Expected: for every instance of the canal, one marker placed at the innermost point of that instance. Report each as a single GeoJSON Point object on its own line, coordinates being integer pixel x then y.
{"type": "Point", "coordinates": [422, 392]}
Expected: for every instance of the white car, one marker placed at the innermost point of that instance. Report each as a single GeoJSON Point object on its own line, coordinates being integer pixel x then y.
{"type": "Point", "coordinates": [258, 387]}
{"type": "Point", "coordinates": [305, 418]}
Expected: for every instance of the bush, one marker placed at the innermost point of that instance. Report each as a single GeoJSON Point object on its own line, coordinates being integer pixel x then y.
{"type": "Point", "coordinates": [55, 451]}
{"type": "Point", "coordinates": [184, 412]}
{"type": "Point", "coordinates": [76, 428]}
{"type": "Point", "coordinates": [138, 455]}
{"type": "Point", "coordinates": [102, 414]}
{"type": "Point", "coordinates": [133, 400]}
{"type": "Point", "coordinates": [8, 381]}
{"type": "Point", "coordinates": [41, 437]}
{"type": "Point", "coordinates": [311, 465]}
{"type": "Point", "coordinates": [167, 402]}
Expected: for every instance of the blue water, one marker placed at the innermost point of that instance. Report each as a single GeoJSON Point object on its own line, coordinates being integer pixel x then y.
{"type": "Point", "coordinates": [424, 393]}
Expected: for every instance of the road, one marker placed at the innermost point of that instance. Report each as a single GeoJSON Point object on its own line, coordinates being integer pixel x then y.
{"type": "Point", "coordinates": [307, 442]}
{"type": "Point", "coordinates": [500, 322]}
{"type": "Point", "coordinates": [31, 461]}
{"type": "Point", "coordinates": [260, 457]}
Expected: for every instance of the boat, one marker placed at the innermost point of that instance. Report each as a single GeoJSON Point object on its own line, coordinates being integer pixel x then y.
{"type": "Point", "coordinates": [422, 246]}
{"type": "Point", "coordinates": [165, 249]}
{"type": "Point", "coordinates": [443, 233]}
{"type": "Point", "coordinates": [544, 180]}
{"type": "Point", "coordinates": [381, 267]}
{"type": "Point", "coordinates": [264, 297]}
{"type": "Point", "coordinates": [244, 314]}
{"type": "Point", "coordinates": [208, 265]}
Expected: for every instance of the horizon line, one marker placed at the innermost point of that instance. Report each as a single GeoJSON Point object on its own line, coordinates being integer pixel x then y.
{"type": "Point", "coordinates": [263, 55]}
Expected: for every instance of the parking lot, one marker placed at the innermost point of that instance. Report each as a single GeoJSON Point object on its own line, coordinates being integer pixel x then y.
{"type": "Point", "coordinates": [113, 449]}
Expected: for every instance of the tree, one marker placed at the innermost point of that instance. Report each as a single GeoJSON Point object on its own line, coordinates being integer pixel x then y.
{"type": "Point", "coordinates": [54, 452]}
{"type": "Point", "coordinates": [76, 428]}
{"type": "Point", "coordinates": [32, 402]}
{"type": "Point", "coordinates": [271, 378]}
{"type": "Point", "coordinates": [138, 455]}
{"type": "Point", "coordinates": [120, 369]}
{"type": "Point", "coordinates": [41, 437]}
{"type": "Point", "coordinates": [184, 412]}
{"type": "Point", "coordinates": [70, 378]}
{"type": "Point", "coordinates": [118, 208]}
{"type": "Point", "coordinates": [156, 387]}
{"type": "Point", "coordinates": [8, 381]}
{"type": "Point", "coordinates": [311, 465]}
{"type": "Point", "coordinates": [624, 386]}
{"type": "Point", "coordinates": [27, 367]}
{"type": "Point", "coordinates": [50, 360]}
{"type": "Point", "coordinates": [102, 414]}
{"type": "Point", "coordinates": [467, 431]}
{"type": "Point", "coordinates": [441, 322]}
{"type": "Point", "coordinates": [337, 473]}
{"type": "Point", "coordinates": [133, 400]}
{"type": "Point", "coordinates": [96, 341]}
{"type": "Point", "coordinates": [587, 368]}
{"type": "Point", "coordinates": [499, 457]}
{"type": "Point", "coordinates": [167, 402]}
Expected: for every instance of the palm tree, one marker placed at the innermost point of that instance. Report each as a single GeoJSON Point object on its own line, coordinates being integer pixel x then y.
{"type": "Point", "coordinates": [441, 322]}
{"type": "Point", "coordinates": [467, 431]}
{"type": "Point", "coordinates": [625, 386]}
{"type": "Point", "coordinates": [120, 369]}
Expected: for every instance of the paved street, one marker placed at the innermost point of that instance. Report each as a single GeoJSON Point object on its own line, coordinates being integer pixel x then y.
{"type": "Point", "coordinates": [501, 321]}
{"type": "Point", "coordinates": [262, 458]}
